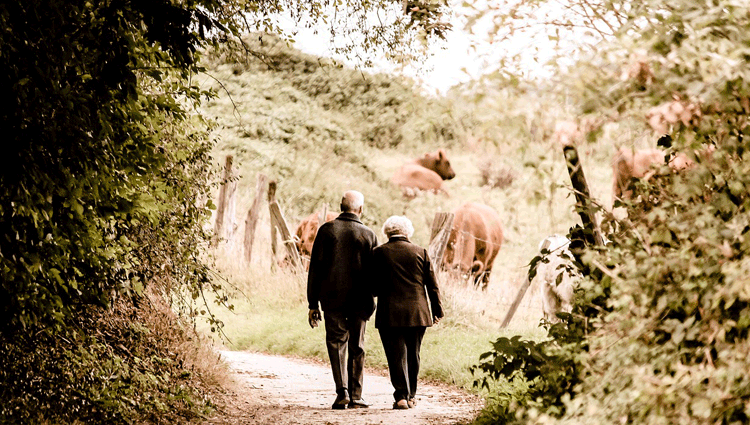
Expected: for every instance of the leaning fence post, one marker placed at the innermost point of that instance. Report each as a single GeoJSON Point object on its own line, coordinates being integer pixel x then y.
{"type": "Point", "coordinates": [585, 210]}
{"type": "Point", "coordinates": [272, 199]}
{"type": "Point", "coordinates": [279, 223]}
{"type": "Point", "coordinates": [252, 216]}
{"type": "Point", "coordinates": [323, 217]}
{"type": "Point", "coordinates": [513, 307]}
{"type": "Point", "coordinates": [441, 231]}
{"type": "Point", "coordinates": [584, 206]}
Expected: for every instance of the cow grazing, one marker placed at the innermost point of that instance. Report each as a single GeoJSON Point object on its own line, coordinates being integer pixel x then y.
{"type": "Point", "coordinates": [629, 164]}
{"type": "Point", "coordinates": [662, 117]}
{"type": "Point", "coordinates": [475, 240]}
{"type": "Point", "coordinates": [573, 133]}
{"type": "Point", "coordinates": [306, 231]}
{"type": "Point", "coordinates": [424, 173]}
{"type": "Point", "coordinates": [555, 276]}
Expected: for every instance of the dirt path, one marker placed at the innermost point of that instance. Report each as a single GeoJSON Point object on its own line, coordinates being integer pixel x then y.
{"type": "Point", "coordinates": [282, 391]}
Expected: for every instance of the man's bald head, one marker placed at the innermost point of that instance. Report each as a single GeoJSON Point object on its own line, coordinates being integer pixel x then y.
{"type": "Point", "coordinates": [352, 202]}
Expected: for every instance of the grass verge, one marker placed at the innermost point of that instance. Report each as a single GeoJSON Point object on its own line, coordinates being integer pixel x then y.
{"type": "Point", "coordinates": [270, 315]}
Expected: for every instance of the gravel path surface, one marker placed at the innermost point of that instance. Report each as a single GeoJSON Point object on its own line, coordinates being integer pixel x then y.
{"type": "Point", "coordinates": [278, 390]}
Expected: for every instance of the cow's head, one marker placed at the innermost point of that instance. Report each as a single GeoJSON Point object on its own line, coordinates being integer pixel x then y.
{"type": "Point", "coordinates": [438, 162]}
{"type": "Point", "coordinates": [456, 257]}
{"type": "Point", "coordinates": [305, 236]}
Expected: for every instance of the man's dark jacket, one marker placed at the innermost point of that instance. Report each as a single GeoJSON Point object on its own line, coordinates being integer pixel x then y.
{"type": "Point", "coordinates": [403, 280]}
{"type": "Point", "coordinates": [339, 267]}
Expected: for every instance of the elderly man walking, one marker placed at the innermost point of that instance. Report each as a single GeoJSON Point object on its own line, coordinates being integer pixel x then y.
{"type": "Point", "coordinates": [337, 279]}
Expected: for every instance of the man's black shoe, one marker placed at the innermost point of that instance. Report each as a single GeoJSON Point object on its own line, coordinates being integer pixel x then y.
{"type": "Point", "coordinates": [358, 404]}
{"type": "Point", "coordinates": [342, 400]}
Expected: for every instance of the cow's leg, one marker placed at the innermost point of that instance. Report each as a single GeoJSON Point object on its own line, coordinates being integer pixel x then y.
{"type": "Point", "coordinates": [467, 256]}
{"type": "Point", "coordinates": [486, 279]}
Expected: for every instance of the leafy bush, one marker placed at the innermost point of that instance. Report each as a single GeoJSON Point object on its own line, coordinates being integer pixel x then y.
{"type": "Point", "coordinates": [134, 362]}
{"type": "Point", "coordinates": [385, 111]}
{"type": "Point", "coordinates": [665, 307]}
{"type": "Point", "coordinates": [104, 160]}
{"type": "Point", "coordinates": [495, 176]}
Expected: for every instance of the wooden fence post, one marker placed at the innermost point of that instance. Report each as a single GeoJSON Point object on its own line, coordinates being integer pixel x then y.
{"type": "Point", "coordinates": [230, 214]}
{"type": "Point", "coordinates": [441, 232]}
{"type": "Point", "coordinates": [278, 223]}
{"type": "Point", "coordinates": [322, 218]}
{"type": "Point", "coordinates": [252, 216]}
{"type": "Point", "coordinates": [222, 201]}
{"type": "Point", "coordinates": [516, 302]}
{"type": "Point", "coordinates": [584, 205]}
{"type": "Point", "coordinates": [585, 210]}
{"type": "Point", "coordinates": [272, 198]}
{"type": "Point", "coordinates": [277, 220]}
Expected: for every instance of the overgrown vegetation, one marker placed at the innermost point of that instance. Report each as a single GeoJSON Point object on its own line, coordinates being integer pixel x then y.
{"type": "Point", "coordinates": [131, 362]}
{"type": "Point", "coordinates": [104, 185]}
{"type": "Point", "coordinates": [296, 117]}
{"type": "Point", "coordinates": [659, 332]}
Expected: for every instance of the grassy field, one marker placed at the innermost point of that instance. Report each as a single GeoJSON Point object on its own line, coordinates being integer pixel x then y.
{"type": "Point", "coordinates": [320, 130]}
{"type": "Point", "coordinates": [270, 315]}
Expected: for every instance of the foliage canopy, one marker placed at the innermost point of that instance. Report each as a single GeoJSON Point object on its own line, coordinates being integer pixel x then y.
{"type": "Point", "coordinates": [659, 333]}
{"type": "Point", "coordinates": [104, 177]}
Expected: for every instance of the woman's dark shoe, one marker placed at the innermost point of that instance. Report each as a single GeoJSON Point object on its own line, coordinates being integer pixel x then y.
{"type": "Point", "coordinates": [342, 400]}
{"type": "Point", "coordinates": [412, 403]}
{"type": "Point", "coordinates": [401, 405]}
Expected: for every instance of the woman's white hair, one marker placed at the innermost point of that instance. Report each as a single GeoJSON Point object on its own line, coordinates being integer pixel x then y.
{"type": "Point", "coordinates": [398, 225]}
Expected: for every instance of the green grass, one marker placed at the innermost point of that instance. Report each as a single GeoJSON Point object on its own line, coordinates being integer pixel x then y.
{"type": "Point", "coordinates": [270, 315]}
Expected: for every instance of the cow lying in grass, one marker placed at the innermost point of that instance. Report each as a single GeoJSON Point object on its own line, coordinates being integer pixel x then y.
{"type": "Point", "coordinates": [424, 173]}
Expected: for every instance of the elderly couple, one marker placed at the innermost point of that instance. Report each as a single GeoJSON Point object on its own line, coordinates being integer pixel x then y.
{"type": "Point", "coordinates": [347, 270]}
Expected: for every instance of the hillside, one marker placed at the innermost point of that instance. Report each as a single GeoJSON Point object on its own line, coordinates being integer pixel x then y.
{"type": "Point", "coordinates": [319, 129]}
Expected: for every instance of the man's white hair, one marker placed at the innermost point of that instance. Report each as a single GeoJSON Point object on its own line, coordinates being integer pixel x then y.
{"type": "Point", "coordinates": [398, 225]}
{"type": "Point", "coordinates": [352, 201]}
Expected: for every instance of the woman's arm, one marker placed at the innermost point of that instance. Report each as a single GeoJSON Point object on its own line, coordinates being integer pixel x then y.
{"type": "Point", "coordinates": [431, 285]}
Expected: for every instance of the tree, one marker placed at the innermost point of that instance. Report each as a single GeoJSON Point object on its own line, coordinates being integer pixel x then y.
{"type": "Point", "coordinates": [104, 167]}
{"type": "Point", "coordinates": [99, 114]}
{"type": "Point", "coordinates": [660, 328]}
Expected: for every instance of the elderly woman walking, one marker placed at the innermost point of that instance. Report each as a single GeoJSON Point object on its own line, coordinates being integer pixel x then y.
{"type": "Point", "coordinates": [403, 282]}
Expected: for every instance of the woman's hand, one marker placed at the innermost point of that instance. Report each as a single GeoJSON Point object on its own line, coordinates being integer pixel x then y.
{"type": "Point", "coordinates": [435, 320]}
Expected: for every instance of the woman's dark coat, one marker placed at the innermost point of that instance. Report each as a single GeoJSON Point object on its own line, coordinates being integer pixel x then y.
{"type": "Point", "coordinates": [403, 281]}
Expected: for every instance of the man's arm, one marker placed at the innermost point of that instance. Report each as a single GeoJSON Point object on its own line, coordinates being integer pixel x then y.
{"type": "Point", "coordinates": [318, 265]}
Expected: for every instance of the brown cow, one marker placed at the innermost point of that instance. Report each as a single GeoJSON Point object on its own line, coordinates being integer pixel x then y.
{"type": "Point", "coordinates": [629, 164]}
{"type": "Point", "coordinates": [307, 230]}
{"type": "Point", "coordinates": [424, 173]}
{"type": "Point", "coordinates": [662, 117]}
{"type": "Point", "coordinates": [474, 241]}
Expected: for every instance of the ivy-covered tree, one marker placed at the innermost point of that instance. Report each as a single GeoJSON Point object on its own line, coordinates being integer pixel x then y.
{"type": "Point", "coordinates": [104, 181]}
{"type": "Point", "coordinates": [659, 333]}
